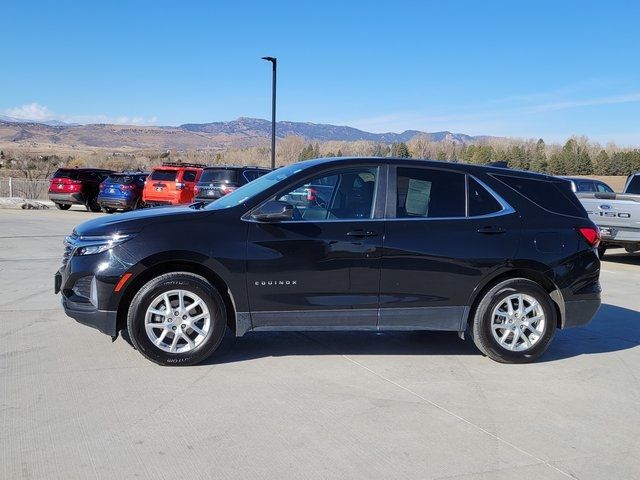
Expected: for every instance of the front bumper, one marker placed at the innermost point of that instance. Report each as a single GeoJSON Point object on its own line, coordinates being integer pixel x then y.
{"type": "Point", "coordinates": [103, 320]}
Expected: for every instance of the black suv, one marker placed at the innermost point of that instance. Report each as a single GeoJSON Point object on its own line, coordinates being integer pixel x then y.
{"type": "Point", "coordinates": [216, 182]}
{"type": "Point", "coordinates": [506, 256]}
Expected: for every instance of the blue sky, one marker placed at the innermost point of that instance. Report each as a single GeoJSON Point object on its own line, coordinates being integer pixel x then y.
{"type": "Point", "coordinates": [535, 69]}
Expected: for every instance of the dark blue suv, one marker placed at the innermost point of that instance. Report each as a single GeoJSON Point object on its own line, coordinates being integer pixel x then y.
{"type": "Point", "coordinates": [122, 191]}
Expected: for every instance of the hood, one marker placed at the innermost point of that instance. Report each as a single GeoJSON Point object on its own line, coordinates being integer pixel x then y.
{"type": "Point", "coordinates": [133, 222]}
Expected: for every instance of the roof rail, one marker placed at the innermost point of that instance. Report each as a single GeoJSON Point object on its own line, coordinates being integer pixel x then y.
{"type": "Point", "coordinates": [180, 164]}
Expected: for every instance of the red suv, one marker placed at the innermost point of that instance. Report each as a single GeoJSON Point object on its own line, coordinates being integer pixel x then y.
{"type": "Point", "coordinates": [171, 184]}
{"type": "Point", "coordinates": [77, 186]}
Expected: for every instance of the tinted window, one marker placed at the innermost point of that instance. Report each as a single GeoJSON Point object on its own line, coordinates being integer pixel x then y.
{"type": "Point", "coordinates": [164, 175]}
{"type": "Point", "coordinates": [221, 175]}
{"type": "Point", "coordinates": [70, 174]}
{"type": "Point", "coordinates": [634, 185]}
{"type": "Point", "coordinates": [189, 176]}
{"type": "Point", "coordinates": [423, 192]}
{"type": "Point", "coordinates": [345, 194]}
{"type": "Point", "coordinates": [124, 179]}
{"type": "Point", "coordinates": [603, 187]}
{"type": "Point", "coordinates": [555, 196]}
{"type": "Point", "coordinates": [251, 175]}
{"type": "Point", "coordinates": [585, 186]}
{"type": "Point", "coordinates": [481, 202]}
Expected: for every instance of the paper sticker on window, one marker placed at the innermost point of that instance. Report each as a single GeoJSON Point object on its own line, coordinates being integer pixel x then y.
{"type": "Point", "coordinates": [418, 193]}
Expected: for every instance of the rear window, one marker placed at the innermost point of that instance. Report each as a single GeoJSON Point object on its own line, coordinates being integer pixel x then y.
{"type": "Point", "coordinates": [222, 175]}
{"type": "Point", "coordinates": [124, 179]}
{"type": "Point", "coordinates": [634, 185]}
{"type": "Point", "coordinates": [164, 175]}
{"type": "Point", "coordinates": [70, 174]}
{"type": "Point", "coordinates": [554, 196]}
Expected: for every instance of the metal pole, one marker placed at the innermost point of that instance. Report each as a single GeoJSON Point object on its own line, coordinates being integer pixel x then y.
{"type": "Point", "coordinates": [274, 62]}
{"type": "Point", "coordinates": [10, 188]}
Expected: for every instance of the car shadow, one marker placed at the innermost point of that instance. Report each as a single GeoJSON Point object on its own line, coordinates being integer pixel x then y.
{"type": "Point", "coordinates": [622, 258]}
{"type": "Point", "coordinates": [613, 329]}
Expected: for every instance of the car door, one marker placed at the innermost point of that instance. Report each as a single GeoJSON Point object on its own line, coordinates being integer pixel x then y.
{"type": "Point", "coordinates": [320, 270]}
{"type": "Point", "coordinates": [444, 232]}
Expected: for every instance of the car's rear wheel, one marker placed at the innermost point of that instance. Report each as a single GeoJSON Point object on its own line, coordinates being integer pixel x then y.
{"type": "Point", "coordinates": [601, 250]}
{"type": "Point", "coordinates": [63, 206]}
{"type": "Point", "coordinates": [92, 205]}
{"type": "Point", "coordinates": [514, 322]}
{"type": "Point", "coordinates": [177, 319]}
{"type": "Point", "coordinates": [110, 210]}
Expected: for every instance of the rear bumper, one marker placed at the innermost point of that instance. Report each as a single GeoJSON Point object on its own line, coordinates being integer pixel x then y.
{"type": "Point", "coordinates": [67, 198]}
{"type": "Point", "coordinates": [580, 312]}
{"type": "Point", "coordinates": [111, 202]}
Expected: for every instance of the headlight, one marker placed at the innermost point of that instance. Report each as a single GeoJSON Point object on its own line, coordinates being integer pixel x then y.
{"type": "Point", "coordinates": [90, 245]}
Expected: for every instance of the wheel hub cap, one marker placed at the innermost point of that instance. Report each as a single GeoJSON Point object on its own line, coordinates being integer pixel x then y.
{"type": "Point", "coordinates": [177, 321]}
{"type": "Point", "coordinates": [518, 322]}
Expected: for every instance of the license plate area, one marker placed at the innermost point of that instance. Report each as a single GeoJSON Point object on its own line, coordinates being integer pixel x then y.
{"type": "Point", "coordinates": [607, 232]}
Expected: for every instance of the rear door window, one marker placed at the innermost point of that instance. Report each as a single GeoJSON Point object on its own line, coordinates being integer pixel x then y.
{"type": "Point", "coordinates": [164, 175]}
{"type": "Point", "coordinates": [430, 193]}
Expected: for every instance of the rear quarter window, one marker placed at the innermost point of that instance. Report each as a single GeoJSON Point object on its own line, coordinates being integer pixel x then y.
{"type": "Point", "coordinates": [554, 196]}
{"type": "Point", "coordinates": [634, 185]}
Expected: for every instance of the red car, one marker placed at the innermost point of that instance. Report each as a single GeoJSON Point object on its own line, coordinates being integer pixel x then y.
{"type": "Point", "coordinates": [172, 184]}
{"type": "Point", "coordinates": [77, 186]}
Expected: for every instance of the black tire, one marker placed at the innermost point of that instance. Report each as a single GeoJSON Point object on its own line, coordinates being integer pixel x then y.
{"type": "Point", "coordinates": [601, 250]}
{"type": "Point", "coordinates": [481, 323]}
{"type": "Point", "coordinates": [63, 206]}
{"type": "Point", "coordinates": [172, 281]}
{"type": "Point", "coordinates": [92, 205]}
{"type": "Point", "coordinates": [110, 210]}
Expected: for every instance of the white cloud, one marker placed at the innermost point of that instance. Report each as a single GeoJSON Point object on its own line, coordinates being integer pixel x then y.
{"type": "Point", "coordinates": [40, 113]}
{"type": "Point", "coordinates": [31, 111]}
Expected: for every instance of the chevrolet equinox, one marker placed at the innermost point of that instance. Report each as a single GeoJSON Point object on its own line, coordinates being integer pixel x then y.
{"type": "Point", "coordinates": [386, 244]}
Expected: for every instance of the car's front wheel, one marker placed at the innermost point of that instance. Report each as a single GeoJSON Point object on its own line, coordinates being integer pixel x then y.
{"type": "Point", "coordinates": [110, 210]}
{"type": "Point", "coordinates": [514, 322]}
{"type": "Point", "coordinates": [177, 318]}
{"type": "Point", "coordinates": [92, 205]}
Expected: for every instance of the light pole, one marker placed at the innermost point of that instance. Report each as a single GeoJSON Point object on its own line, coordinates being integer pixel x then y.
{"type": "Point", "coordinates": [274, 61]}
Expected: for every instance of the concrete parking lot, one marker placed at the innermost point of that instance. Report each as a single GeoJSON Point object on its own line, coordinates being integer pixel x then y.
{"type": "Point", "coordinates": [313, 405]}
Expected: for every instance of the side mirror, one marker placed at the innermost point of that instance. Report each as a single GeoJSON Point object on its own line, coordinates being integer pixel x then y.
{"type": "Point", "coordinates": [273, 211]}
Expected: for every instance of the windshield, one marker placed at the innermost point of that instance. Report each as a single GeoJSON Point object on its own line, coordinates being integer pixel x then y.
{"type": "Point", "coordinates": [254, 188]}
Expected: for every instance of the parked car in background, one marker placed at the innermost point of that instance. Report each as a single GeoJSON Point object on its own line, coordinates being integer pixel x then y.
{"type": "Point", "coordinates": [216, 182]}
{"type": "Point", "coordinates": [172, 184]}
{"type": "Point", "coordinates": [122, 191]}
{"type": "Point", "coordinates": [579, 185]}
{"type": "Point", "coordinates": [506, 256]}
{"type": "Point", "coordinates": [77, 186]}
{"type": "Point", "coordinates": [617, 215]}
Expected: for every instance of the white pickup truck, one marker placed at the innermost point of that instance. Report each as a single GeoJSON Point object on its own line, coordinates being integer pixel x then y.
{"type": "Point", "coordinates": [617, 215]}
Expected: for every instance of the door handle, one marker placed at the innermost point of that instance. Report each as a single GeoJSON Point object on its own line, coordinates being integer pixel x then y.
{"type": "Point", "coordinates": [491, 230]}
{"type": "Point", "coordinates": [362, 233]}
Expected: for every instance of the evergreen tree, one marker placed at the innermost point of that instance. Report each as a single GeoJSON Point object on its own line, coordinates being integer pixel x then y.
{"type": "Point", "coordinates": [441, 155]}
{"type": "Point", "coordinates": [378, 151]}
{"type": "Point", "coordinates": [539, 161]}
{"type": "Point", "coordinates": [400, 150]}
{"type": "Point", "coordinates": [602, 163]}
{"type": "Point", "coordinates": [556, 165]}
{"type": "Point", "coordinates": [339, 154]}
{"type": "Point", "coordinates": [307, 153]}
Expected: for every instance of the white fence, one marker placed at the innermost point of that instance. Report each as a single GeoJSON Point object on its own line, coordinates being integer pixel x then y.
{"type": "Point", "coordinates": [21, 187]}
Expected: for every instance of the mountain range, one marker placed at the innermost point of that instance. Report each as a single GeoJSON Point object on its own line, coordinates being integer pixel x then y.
{"type": "Point", "coordinates": [243, 132]}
